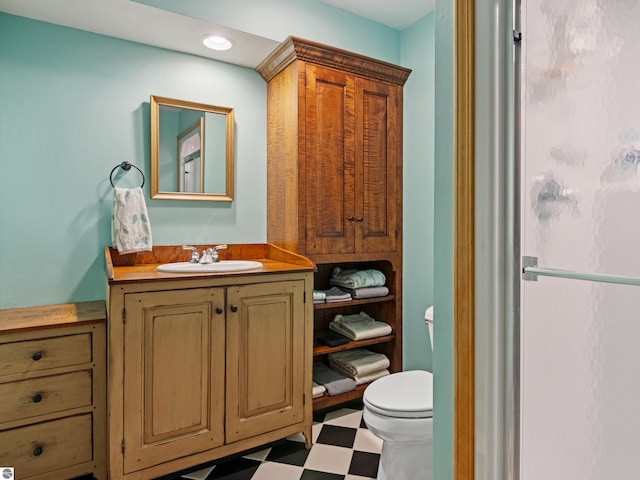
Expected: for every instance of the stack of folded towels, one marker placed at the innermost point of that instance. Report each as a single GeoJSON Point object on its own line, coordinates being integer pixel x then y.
{"type": "Point", "coordinates": [359, 326]}
{"type": "Point", "coordinates": [334, 294]}
{"type": "Point", "coordinates": [360, 283]}
{"type": "Point", "coordinates": [360, 364]}
{"type": "Point", "coordinates": [332, 382]}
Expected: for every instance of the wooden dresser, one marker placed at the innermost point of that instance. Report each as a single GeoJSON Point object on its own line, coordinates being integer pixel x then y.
{"type": "Point", "coordinates": [52, 391]}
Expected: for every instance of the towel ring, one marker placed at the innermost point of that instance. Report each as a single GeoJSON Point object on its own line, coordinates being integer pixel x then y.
{"type": "Point", "coordinates": [125, 166]}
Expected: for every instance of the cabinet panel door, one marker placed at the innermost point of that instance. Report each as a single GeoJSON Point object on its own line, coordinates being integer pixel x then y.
{"type": "Point", "coordinates": [265, 357]}
{"type": "Point", "coordinates": [378, 169]}
{"type": "Point", "coordinates": [174, 375]}
{"type": "Point", "coordinates": [328, 166]}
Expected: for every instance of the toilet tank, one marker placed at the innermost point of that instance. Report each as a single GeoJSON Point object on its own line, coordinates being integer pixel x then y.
{"type": "Point", "coordinates": [428, 318]}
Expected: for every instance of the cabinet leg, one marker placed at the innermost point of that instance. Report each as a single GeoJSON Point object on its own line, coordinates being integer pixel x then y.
{"type": "Point", "coordinates": [308, 437]}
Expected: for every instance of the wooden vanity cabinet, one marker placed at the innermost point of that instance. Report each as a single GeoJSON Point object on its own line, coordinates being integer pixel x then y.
{"type": "Point", "coordinates": [52, 391]}
{"type": "Point", "coordinates": [204, 366]}
{"type": "Point", "coordinates": [334, 175]}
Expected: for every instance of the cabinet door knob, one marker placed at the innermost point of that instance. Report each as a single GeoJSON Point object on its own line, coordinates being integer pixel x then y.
{"type": "Point", "coordinates": [360, 219]}
{"type": "Point", "coordinates": [351, 218]}
{"type": "Point", "coordinates": [219, 310]}
{"type": "Point", "coordinates": [37, 398]}
{"type": "Point", "coordinates": [234, 308]}
{"type": "Point", "coordinates": [36, 356]}
{"type": "Point", "coordinates": [37, 451]}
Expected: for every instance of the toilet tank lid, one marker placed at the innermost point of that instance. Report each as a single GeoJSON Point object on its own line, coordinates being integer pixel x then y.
{"type": "Point", "coordinates": [428, 314]}
{"type": "Point", "coordinates": [405, 394]}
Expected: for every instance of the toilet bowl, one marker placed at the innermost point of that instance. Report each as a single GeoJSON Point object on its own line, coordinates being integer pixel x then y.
{"type": "Point", "coordinates": [398, 409]}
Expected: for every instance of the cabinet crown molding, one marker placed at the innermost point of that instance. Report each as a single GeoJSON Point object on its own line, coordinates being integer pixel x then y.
{"type": "Point", "coordinates": [294, 48]}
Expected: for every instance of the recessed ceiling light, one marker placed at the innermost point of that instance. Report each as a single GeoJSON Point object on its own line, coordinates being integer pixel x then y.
{"type": "Point", "coordinates": [217, 42]}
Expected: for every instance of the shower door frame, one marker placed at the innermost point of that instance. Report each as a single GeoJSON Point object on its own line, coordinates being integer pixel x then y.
{"type": "Point", "coordinates": [486, 286]}
{"type": "Point", "coordinates": [464, 232]}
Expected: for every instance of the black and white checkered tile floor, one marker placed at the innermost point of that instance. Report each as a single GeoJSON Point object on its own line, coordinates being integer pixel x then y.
{"type": "Point", "coordinates": [343, 449]}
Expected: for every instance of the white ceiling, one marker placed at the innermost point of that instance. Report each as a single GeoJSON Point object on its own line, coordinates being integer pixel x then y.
{"type": "Point", "coordinates": [153, 26]}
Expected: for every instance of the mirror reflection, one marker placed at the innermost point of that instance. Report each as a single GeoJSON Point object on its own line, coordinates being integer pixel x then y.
{"type": "Point", "coordinates": [191, 151]}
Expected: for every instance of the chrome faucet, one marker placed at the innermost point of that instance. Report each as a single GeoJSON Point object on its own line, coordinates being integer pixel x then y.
{"type": "Point", "coordinates": [195, 256]}
{"type": "Point", "coordinates": [210, 255]}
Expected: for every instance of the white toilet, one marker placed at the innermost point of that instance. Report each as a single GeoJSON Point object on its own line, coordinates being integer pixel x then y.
{"type": "Point", "coordinates": [398, 409]}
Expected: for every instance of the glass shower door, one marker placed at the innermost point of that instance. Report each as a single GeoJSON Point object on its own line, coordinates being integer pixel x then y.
{"type": "Point", "coordinates": [580, 235]}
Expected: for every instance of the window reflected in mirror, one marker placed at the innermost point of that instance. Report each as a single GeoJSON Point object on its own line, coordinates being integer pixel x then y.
{"type": "Point", "coordinates": [191, 151]}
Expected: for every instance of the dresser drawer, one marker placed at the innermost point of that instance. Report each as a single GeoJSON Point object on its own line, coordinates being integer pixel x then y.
{"type": "Point", "coordinates": [40, 396]}
{"type": "Point", "coordinates": [44, 353]}
{"type": "Point", "coordinates": [48, 446]}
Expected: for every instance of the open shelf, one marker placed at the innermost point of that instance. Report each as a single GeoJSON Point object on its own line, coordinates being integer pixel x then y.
{"type": "Point", "coordinates": [360, 301]}
{"type": "Point", "coordinates": [319, 349]}
{"type": "Point", "coordinates": [385, 309]}
{"type": "Point", "coordinates": [328, 401]}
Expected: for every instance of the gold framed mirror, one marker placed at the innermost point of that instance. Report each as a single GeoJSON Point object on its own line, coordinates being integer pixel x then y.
{"type": "Point", "coordinates": [192, 155]}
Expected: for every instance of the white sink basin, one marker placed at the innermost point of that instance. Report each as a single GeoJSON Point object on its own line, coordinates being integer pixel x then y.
{"type": "Point", "coordinates": [221, 266]}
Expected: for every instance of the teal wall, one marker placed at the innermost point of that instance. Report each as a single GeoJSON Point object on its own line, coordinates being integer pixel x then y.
{"type": "Point", "coordinates": [74, 105]}
{"type": "Point", "coordinates": [418, 53]}
{"type": "Point", "coordinates": [443, 242]}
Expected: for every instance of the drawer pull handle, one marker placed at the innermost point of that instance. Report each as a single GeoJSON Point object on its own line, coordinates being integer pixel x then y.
{"type": "Point", "coordinates": [234, 308]}
{"type": "Point", "coordinates": [219, 310]}
{"type": "Point", "coordinates": [37, 398]}
{"type": "Point", "coordinates": [360, 219]}
{"type": "Point", "coordinates": [351, 218]}
{"type": "Point", "coordinates": [37, 451]}
{"type": "Point", "coordinates": [36, 356]}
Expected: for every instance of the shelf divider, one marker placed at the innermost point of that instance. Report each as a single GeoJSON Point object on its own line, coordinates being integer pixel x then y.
{"type": "Point", "coordinates": [319, 349]}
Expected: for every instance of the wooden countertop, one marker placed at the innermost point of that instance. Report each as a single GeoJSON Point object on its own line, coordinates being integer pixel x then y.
{"type": "Point", "coordinates": [142, 267]}
{"type": "Point", "coordinates": [51, 316]}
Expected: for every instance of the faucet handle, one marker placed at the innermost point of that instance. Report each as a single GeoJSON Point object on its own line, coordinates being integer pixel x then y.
{"type": "Point", "coordinates": [214, 252]}
{"type": "Point", "coordinates": [195, 256]}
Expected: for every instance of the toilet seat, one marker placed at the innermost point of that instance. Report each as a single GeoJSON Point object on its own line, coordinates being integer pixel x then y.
{"type": "Point", "coordinates": [402, 395]}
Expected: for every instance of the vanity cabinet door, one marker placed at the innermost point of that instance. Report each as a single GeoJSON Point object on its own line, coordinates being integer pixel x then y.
{"type": "Point", "coordinates": [329, 161]}
{"type": "Point", "coordinates": [265, 358]}
{"type": "Point", "coordinates": [174, 376]}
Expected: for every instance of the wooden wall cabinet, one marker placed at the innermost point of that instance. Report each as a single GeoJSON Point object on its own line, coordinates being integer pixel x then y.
{"type": "Point", "coordinates": [351, 163]}
{"type": "Point", "coordinates": [204, 366]}
{"type": "Point", "coordinates": [52, 391]}
{"type": "Point", "coordinates": [334, 173]}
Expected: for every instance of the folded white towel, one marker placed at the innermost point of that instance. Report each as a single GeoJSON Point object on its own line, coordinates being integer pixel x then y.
{"type": "Point", "coordinates": [357, 278]}
{"type": "Point", "coordinates": [359, 326]}
{"type": "Point", "coordinates": [371, 377]}
{"type": "Point", "coordinates": [318, 390]}
{"type": "Point", "coordinates": [319, 296]}
{"type": "Point", "coordinates": [367, 292]}
{"type": "Point", "coordinates": [130, 228]}
{"type": "Point", "coordinates": [359, 361]}
{"type": "Point", "coordinates": [334, 294]}
{"type": "Point", "coordinates": [360, 379]}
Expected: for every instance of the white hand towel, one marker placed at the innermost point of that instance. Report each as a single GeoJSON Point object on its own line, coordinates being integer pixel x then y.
{"type": "Point", "coordinates": [130, 228]}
